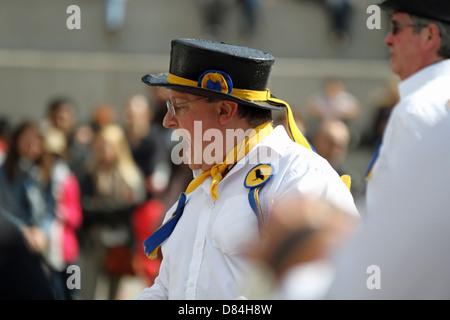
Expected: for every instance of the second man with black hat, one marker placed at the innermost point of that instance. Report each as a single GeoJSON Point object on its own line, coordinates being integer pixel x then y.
{"type": "Point", "coordinates": [419, 46]}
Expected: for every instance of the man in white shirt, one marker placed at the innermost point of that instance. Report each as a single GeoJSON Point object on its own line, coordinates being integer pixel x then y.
{"type": "Point", "coordinates": [419, 44]}
{"type": "Point", "coordinates": [400, 251]}
{"type": "Point", "coordinates": [218, 91]}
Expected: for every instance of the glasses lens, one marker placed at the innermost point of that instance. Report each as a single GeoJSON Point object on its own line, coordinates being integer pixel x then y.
{"type": "Point", "coordinates": [395, 28]}
{"type": "Point", "coordinates": [170, 107]}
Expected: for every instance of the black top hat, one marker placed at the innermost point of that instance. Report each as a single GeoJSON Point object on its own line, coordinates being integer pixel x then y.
{"type": "Point", "coordinates": [217, 69]}
{"type": "Point", "coordinates": [433, 9]}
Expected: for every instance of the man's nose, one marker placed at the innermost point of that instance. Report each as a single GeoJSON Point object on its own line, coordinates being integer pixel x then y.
{"type": "Point", "coordinates": [169, 121]}
{"type": "Point", "coordinates": [388, 39]}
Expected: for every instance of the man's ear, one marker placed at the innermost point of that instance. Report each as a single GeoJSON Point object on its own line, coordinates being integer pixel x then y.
{"type": "Point", "coordinates": [433, 35]}
{"type": "Point", "coordinates": [226, 111]}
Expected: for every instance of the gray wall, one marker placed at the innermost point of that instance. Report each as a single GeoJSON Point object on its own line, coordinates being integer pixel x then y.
{"type": "Point", "coordinates": [40, 58]}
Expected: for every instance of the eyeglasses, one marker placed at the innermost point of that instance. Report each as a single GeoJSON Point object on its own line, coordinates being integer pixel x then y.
{"type": "Point", "coordinates": [397, 27]}
{"type": "Point", "coordinates": [171, 107]}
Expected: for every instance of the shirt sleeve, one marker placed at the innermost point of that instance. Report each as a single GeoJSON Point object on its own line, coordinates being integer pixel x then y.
{"type": "Point", "coordinates": [157, 291]}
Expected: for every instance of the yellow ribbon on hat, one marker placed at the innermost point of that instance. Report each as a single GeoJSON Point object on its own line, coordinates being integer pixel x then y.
{"type": "Point", "coordinates": [238, 93]}
{"type": "Point", "coordinates": [238, 152]}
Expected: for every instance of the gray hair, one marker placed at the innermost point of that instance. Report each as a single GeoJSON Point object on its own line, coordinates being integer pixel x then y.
{"type": "Point", "coordinates": [444, 31]}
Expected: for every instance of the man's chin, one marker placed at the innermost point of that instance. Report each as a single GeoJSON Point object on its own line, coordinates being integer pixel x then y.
{"type": "Point", "coordinates": [194, 166]}
{"type": "Point", "coordinates": [194, 162]}
{"type": "Point", "coordinates": [393, 64]}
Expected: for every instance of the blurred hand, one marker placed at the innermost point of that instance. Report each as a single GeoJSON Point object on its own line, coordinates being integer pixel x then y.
{"type": "Point", "coordinates": [302, 231]}
{"type": "Point", "coordinates": [35, 239]}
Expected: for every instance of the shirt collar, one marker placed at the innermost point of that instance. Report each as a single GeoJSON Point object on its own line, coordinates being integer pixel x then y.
{"type": "Point", "coordinates": [418, 79]}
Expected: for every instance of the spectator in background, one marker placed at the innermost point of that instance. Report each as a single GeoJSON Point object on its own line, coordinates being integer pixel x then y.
{"type": "Point", "coordinates": [214, 14]}
{"type": "Point", "coordinates": [147, 145]}
{"type": "Point", "coordinates": [384, 101]}
{"type": "Point", "coordinates": [103, 115]}
{"type": "Point", "coordinates": [80, 149]}
{"type": "Point", "coordinates": [23, 277]}
{"type": "Point", "coordinates": [340, 12]}
{"type": "Point", "coordinates": [24, 208]}
{"type": "Point", "coordinates": [180, 175]}
{"type": "Point", "coordinates": [61, 115]}
{"type": "Point", "coordinates": [5, 135]}
{"type": "Point", "coordinates": [63, 248]}
{"type": "Point", "coordinates": [250, 16]}
{"type": "Point", "coordinates": [111, 190]}
{"type": "Point", "coordinates": [334, 102]}
{"type": "Point", "coordinates": [81, 137]}
{"type": "Point", "coordinates": [40, 201]}
{"type": "Point", "coordinates": [146, 141]}
{"type": "Point", "coordinates": [115, 12]}
{"type": "Point", "coordinates": [331, 141]}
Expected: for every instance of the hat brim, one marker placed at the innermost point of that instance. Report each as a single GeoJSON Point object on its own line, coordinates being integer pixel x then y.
{"type": "Point", "coordinates": [389, 6]}
{"type": "Point", "coordinates": [161, 80]}
{"type": "Point", "coordinates": [386, 4]}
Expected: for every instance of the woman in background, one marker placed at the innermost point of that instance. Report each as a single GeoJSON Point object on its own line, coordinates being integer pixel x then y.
{"type": "Point", "coordinates": [63, 185]}
{"type": "Point", "coordinates": [25, 217]}
{"type": "Point", "coordinates": [111, 190]}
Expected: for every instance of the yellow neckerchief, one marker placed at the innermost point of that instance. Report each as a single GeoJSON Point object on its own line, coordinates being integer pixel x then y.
{"type": "Point", "coordinates": [239, 151]}
{"type": "Point", "coordinates": [153, 243]}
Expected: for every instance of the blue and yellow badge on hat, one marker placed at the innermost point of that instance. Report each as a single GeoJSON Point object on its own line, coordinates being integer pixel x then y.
{"type": "Point", "coordinates": [216, 80]}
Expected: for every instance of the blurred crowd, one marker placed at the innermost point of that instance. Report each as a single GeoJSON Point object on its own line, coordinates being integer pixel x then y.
{"type": "Point", "coordinates": [88, 194]}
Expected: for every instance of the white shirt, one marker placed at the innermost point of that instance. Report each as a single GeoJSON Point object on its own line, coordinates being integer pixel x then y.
{"type": "Point", "coordinates": [205, 256]}
{"type": "Point", "coordinates": [408, 239]}
{"type": "Point", "coordinates": [424, 101]}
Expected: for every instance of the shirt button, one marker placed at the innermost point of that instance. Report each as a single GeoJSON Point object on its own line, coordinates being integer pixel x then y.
{"type": "Point", "coordinates": [199, 243]}
{"type": "Point", "coordinates": [191, 284]}
{"type": "Point", "coordinates": [211, 204]}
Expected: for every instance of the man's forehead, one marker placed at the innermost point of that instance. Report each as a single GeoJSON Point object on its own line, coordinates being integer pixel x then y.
{"type": "Point", "coordinates": [397, 16]}
{"type": "Point", "coordinates": [181, 95]}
